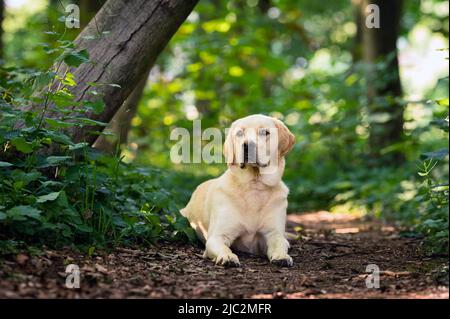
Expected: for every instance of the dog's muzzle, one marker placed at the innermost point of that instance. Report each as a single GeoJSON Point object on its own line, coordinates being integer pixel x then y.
{"type": "Point", "coordinates": [249, 151]}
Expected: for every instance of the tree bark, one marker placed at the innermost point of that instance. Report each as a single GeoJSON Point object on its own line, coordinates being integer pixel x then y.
{"type": "Point", "coordinates": [383, 84]}
{"type": "Point", "coordinates": [138, 31]}
{"type": "Point", "coordinates": [121, 122]}
{"type": "Point", "coordinates": [359, 21]}
{"type": "Point", "coordinates": [264, 5]}
{"type": "Point", "coordinates": [2, 15]}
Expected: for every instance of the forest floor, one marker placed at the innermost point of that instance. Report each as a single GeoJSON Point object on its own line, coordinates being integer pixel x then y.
{"type": "Point", "coordinates": [330, 255]}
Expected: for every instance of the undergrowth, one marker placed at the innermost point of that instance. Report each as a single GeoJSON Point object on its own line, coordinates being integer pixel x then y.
{"type": "Point", "coordinates": [73, 194]}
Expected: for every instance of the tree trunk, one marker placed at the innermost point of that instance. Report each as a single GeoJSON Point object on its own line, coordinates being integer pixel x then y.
{"type": "Point", "coordinates": [383, 83]}
{"type": "Point", "coordinates": [264, 5]}
{"type": "Point", "coordinates": [357, 41]}
{"type": "Point", "coordinates": [121, 122]}
{"type": "Point", "coordinates": [137, 32]}
{"type": "Point", "coordinates": [2, 15]}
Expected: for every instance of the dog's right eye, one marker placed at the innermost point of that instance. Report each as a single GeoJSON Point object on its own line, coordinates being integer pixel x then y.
{"type": "Point", "coordinates": [240, 133]}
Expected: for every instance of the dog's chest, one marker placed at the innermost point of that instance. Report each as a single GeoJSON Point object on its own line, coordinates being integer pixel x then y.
{"type": "Point", "coordinates": [252, 243]}
{"type": "Point", "coordinates": [255, 197]}
{"type": "Point", "coordinates": [252, 210]}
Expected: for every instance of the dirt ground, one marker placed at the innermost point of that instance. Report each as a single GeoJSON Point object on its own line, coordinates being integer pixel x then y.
{"type": "Point", "coordinates": [330, 252]}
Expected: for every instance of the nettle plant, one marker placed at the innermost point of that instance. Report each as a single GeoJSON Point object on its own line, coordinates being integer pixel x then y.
{"type": "Point", "coordinates": [433, 196]}
{"type": "Point", "coordinates": [56, 191]}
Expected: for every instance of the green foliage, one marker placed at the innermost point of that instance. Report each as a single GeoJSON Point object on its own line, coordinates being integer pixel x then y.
{"type": "Point", "coordinates": [72, 194]}
{"type": "Point", "coordinates": [433, 196]}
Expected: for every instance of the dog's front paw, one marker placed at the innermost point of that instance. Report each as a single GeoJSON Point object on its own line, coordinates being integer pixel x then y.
{"type": "Point", "coordinates": [227, 260]}
{"type": "Point", "coordinates": [282, 261]}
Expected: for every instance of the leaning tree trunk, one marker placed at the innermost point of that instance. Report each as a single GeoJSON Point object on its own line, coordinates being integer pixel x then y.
{"type": "Point", "coordinates": [2, 13]}
{"type": "Point", "coordinates": [121, 122]}
{"type": "Point", "coordinates": [129, 36]}
{"type": "Point", "coordinates": [384, 87]}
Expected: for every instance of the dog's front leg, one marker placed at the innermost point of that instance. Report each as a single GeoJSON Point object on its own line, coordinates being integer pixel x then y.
{"type": "Point", "coordinates": [221, 234]}
{"type": "Point", "coordinates": [274, 233]}
{"type": "Point", "coordinates": [277, 249]}
{"type": "Point", "coordinates": [218, 249]}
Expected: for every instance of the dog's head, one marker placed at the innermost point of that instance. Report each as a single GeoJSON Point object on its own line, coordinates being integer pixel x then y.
{"type": "Point", "coordinates": [258, 141]}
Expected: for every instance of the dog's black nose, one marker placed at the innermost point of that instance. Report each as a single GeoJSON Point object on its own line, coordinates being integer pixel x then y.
{"type": "Point", "coordinates": [249, 149]}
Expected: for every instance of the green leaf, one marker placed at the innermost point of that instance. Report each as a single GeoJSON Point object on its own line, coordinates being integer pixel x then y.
{"type": "Point", "coordinates": [18, 185]}
{"type": "Point", "coordinates": [87, 121]}
{"type": "Point", "coordinates": [50, 183]}
{"type": "Point", "coordinates": [439, 188]}
{"type": "Point", "coordinates": [78, 146]}
{"type": "Point", "coordinates": [437, 155]}
{"type": "Point", "coordinates": [22, 145]}
{"type": "Point", "coordinates": [55, 160]}
{"type": "Point", "coordinates": [96, 106]}
{"type": "Point", "coordinates": [48, 197]}
{"type": "Point", "coordinates": [441, 123]}
{"type": "Point", "coordinates": [20, 213]}
{"type": "Point", "coordinates": [76, 58]}
{"type": "Point", "coordinates": [69, 79]}
{"type": "Point", "coordinates": [42, 79]}
{"type": "Point", "coordinates": [58, 123]}
{"type": "Point", "coordinates": [2, 216]}
{"type": "Point", "coordinates": [26, 178]}
{"type": "Point", "coordinates": [58, 137]}
{"type": "Point", "coordinates": [5, 164]}
{"type": "Point", "coordinates": [190, 233]}
{"type": "Point", "coordinates": [91, 251]}
{"type": "Point", "coordinates": [443, 102]}
{"type": "Point", "coordinates": [63, 98]}
{"type": "Point", "coordinates": [62, 199]}
{"type": "Point", "coordinates": [47, 140]}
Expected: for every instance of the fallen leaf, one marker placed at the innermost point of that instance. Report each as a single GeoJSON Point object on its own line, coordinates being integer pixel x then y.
{"type": "Point", "coordinates": [101, 269]}
{"type": "Point", "coordinates": [22, 259]}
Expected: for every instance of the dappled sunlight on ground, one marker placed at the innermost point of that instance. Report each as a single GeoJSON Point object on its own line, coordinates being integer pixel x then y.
{"type": "Point", "coordinates": [323, 219]}
{"type": "Point", "coordinates": [339, 223]}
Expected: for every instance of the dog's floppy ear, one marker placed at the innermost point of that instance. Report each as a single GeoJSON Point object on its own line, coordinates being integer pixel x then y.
{"type": "Point", "coordinates": [228, 148]}
{"type": "Point", "coordinates": [286, 139]}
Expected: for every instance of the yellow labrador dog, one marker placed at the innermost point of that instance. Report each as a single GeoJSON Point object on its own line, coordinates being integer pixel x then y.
{"type": "Point", "coordinates": [245, 208]}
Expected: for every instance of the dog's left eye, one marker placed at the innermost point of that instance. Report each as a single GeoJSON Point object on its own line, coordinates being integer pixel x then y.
{"type": "Point", "coordinates": [264, 131]}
